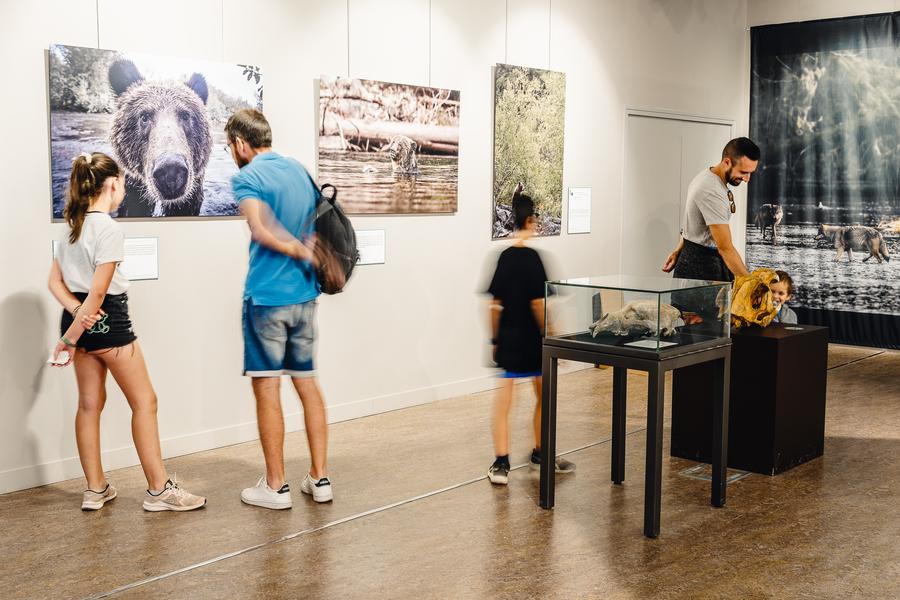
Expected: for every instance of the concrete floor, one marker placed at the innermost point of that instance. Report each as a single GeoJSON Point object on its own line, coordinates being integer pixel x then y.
{"type": "Point", "coordinates": [413, 516]}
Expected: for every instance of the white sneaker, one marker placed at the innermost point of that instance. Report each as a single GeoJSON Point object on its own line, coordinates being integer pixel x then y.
{"type": "Point", "coordinates": [262, 495]}
{"type": "Point", "coordinates": [173, 498]}
{"type": "Point", "coordinates": [92, 500]}
{"type": "Point", "coordinates": [319, 489]}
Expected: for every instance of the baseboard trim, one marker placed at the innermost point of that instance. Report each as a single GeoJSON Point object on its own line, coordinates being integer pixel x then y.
{"type": "Point", "coordinates": [69, 468]}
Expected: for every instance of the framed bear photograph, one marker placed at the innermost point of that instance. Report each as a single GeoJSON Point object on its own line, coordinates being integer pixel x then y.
{"type": "Point", "coordinates": [389, 148]}
{"type": "Point", "coordinates": [162, 119]}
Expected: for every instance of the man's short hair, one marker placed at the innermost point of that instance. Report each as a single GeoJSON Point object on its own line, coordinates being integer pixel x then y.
{"type": "Point", "coordinates": [251, 126]}
{"type": "Point", "coordinates": [740, 147]}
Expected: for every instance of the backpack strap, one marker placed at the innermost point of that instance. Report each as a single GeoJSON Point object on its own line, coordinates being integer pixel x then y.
{"type": "Point", "coordinates": [321, 207]}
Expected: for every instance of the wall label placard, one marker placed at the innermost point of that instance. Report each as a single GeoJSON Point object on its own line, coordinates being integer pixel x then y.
{"type": "Point", "coordinates": [579, 210]}
{"type": "Point", "coordinates": [141, 258]}
{"type": "Point", "coordinates": [370, 243]}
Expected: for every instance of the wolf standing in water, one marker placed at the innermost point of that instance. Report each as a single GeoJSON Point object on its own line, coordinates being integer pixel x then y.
{"type": "Point", "coordinates": [96, 334]}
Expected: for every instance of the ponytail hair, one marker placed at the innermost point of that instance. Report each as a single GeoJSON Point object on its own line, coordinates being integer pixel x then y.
{"type": "Point", "coordinates": [89, 172]}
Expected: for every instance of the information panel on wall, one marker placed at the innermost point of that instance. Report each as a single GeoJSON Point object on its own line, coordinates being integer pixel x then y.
{"type": "Point", "coordinates": [141, 258]}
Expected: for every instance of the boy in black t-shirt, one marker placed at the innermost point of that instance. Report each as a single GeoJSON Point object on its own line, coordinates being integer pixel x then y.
{"type": "Point", "coordinates": [517, 324]}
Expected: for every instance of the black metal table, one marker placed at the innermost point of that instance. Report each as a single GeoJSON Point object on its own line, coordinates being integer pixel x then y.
{"type": "Point", "coordinates": [655, 363]}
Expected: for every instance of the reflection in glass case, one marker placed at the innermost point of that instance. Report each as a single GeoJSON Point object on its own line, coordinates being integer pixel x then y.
{"type": "Point", "coordinates": [637, 315]}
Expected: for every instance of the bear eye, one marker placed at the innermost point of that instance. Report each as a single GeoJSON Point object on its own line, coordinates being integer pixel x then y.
{"type": "Point", "coordinates": [185, 116]}
{"type": "Point", "coordinates": [145, 118]}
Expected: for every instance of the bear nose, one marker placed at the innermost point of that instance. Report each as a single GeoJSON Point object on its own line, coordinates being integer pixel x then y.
{"type": "Point", "coordinates": [170, 175]}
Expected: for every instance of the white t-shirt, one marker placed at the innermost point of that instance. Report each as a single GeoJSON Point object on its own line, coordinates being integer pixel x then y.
{"type": "Point", "coordinates": [101, 241]}
{"type": "Point", "coordinates": [707, 204]}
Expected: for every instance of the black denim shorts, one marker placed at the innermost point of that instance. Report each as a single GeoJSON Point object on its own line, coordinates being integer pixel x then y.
{"type": "Point", "coordinates": [111, 331]}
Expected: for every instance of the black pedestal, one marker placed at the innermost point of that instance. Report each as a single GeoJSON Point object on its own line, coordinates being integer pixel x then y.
{"type": "Point", "coordinates": [777, 413]}
{"type": "Point", "coordinates": [716, 353]}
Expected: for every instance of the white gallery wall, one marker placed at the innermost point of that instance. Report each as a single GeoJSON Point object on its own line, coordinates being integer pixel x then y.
{"type": "Point", "coordinates": [406, 332]}
{"type": "Point", "coordinates": [769, 12]}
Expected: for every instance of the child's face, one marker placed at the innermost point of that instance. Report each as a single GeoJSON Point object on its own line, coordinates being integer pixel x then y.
{"type": "Point", "coordinates": [780, 293]}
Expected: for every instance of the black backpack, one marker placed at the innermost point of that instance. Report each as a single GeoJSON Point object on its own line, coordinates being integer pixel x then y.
{"type": "Point", "coordinates": [335, 248]}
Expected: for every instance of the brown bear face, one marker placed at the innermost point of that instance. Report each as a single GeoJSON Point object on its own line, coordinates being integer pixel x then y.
{"type": "Point", "coordinates": [161, 133]}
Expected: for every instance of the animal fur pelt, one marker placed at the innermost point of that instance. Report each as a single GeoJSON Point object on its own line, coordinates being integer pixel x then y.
{"type": "Point", "coordinates": [639, 318]}
{"type": "Point", "coordinates": [751, 299]}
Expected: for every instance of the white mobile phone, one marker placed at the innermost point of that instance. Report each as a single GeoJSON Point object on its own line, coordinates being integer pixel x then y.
{"type": "Point", "coordinates": [62, 359]}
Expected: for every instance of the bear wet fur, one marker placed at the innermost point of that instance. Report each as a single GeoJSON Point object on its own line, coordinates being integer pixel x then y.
{"type": "Point", "coordinates": [161, 137]}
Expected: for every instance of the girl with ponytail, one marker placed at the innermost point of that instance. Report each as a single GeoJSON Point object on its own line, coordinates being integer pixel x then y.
{"type": "Point", "coordinates": [96, 334]}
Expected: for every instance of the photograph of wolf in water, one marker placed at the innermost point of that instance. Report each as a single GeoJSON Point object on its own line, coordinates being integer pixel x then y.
{"type": "Point", "coordinates": [389, 148]}
{"type": "Point", "coordinates": [161, 118]}
{"type": "Point", "coordinates": [824, 204]}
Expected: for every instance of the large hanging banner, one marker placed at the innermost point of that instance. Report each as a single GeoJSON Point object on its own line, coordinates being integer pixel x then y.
{"type": "Point", "coordinates": [825, 202]}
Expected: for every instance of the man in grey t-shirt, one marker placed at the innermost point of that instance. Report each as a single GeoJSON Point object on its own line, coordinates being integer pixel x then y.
{"type": "Point", "coordinates": [706, 250]}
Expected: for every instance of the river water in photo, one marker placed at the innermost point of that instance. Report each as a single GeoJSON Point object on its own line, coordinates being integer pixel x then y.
{"type": "Point", "coordinates": [366, 184]}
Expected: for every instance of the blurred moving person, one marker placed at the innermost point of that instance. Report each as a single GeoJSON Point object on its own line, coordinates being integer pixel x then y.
{"type": "Point", "coordinates": [517, 326]}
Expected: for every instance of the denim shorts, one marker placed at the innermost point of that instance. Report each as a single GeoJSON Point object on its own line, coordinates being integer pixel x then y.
{"type": "Point", "coordinates": [279, 340]}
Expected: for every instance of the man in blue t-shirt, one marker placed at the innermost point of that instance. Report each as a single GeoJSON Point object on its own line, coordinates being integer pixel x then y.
{"type": "Point", "coordinates": [278, 199]}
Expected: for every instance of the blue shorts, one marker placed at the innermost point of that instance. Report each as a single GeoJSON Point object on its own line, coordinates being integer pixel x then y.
{"type": "Point", "coordinates": [517, 375]}
{"type": "Point", "coordinates": [279, 340]}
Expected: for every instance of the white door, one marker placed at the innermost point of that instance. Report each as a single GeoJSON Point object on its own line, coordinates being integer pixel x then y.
{"type": "Point", "coordinates": [662, 156]}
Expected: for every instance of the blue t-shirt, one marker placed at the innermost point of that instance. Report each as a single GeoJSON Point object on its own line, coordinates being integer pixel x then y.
{"type": "Point", "coordinates": [275, 279]}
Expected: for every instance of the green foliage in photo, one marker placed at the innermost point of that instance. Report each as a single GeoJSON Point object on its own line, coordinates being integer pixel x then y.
{"type": "Point", "coordinates": [529, 119]}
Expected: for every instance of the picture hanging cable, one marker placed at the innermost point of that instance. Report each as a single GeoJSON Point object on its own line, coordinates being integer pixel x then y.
{"type": "Point", "coordinates": [97, 13]}
{"type": "Point", "coordinates": [348, 39]}
{"type": "Point", "coordinates": [549, 29]}
{"type": "Point", "coordinates": [506, 36]}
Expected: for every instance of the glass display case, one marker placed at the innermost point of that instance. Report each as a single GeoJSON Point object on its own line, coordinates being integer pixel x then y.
{"type": "Point", "coordinates": [637, 315]}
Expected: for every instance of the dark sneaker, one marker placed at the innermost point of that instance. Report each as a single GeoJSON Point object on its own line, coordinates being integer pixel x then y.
{"type": "Point", "coordinates": [562, 465]}
{"type": "Point", "coordinates": [499, 473]}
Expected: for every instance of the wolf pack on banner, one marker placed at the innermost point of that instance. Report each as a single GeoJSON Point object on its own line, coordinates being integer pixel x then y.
{"type": "Point", "coordinates": [825, 202]}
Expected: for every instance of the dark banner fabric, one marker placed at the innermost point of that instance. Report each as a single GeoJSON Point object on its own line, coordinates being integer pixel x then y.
{"type": "Point", "coordinates": [824, 204]}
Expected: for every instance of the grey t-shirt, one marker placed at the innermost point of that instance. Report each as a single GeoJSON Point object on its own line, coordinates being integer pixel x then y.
{"type": "Point", "coordinates": [101, 241]}
{"type": "Point", "coordinates": [707, 204]}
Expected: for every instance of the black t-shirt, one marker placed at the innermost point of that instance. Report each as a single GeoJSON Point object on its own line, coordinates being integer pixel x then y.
{"type": "Point", "coordinates": [518, 279]}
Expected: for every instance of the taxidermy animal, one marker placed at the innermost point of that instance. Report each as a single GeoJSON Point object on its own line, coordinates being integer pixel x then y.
{"type": "Point", "coordinates": [769, 216]}
{"type": "Point", "coordinates": [161, 136]}
{"type": "Point", "coordinates": [854, 238]}
{"type": "Point", "coordinates": [639, 318]}
{"type": "Point", "coordinates": [402, 151]}
{"type": "Point", "coordinates": [751, 299]}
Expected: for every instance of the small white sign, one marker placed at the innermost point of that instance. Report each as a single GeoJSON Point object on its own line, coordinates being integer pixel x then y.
{"type": "Point", "coordinates": [652, 344]}
{"type": "Point", "coordinates": [370, 243]}
{"type": "Point", "coordinates": [579, 210]}
{"type": "Point", "coordinates": [141, 258]}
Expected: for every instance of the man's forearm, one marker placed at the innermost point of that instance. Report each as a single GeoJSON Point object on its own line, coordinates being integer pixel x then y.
{"type": "Point", "coordinates": [262, 236]}
{"type": "Point", "coordinates": [733, 261]}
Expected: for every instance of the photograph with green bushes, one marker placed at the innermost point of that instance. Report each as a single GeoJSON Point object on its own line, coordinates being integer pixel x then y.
{"type": "Point", "coordinates": [529, 123]}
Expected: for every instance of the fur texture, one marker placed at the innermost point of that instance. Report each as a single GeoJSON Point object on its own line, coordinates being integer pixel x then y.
{"type": "Point", "coordinates": [402, 151]}
{"type": "Point", "coordinates": [161, 137]}
{"type": "Point", "coordinates": [769, 216]}
{"type": "Point", "coordinates": [639, 318]}
{"type": "Point", "coordinates": [848, 239]}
